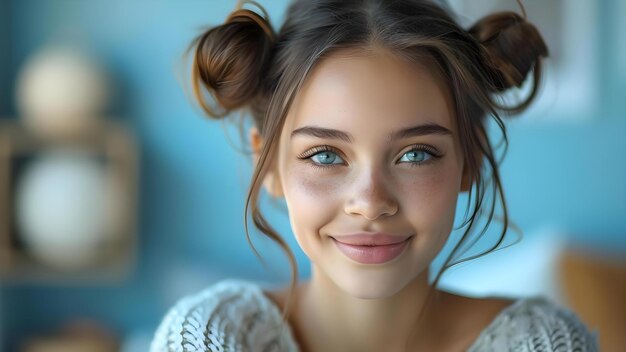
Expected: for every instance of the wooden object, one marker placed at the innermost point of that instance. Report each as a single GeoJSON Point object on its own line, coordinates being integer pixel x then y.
{"type": "Point", "coordinates": [594, 286]}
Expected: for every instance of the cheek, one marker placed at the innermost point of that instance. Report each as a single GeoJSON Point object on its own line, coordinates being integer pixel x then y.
{"type": "Point", "coordinates": [312, 200]}
{"type": "Point", "coordinates": [308, 184]}
{"type": "Point", "coordinates": [430, 198]}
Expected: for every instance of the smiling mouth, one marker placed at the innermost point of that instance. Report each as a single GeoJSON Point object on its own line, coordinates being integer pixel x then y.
{"type": "Point", "coordinates": [368, 252]}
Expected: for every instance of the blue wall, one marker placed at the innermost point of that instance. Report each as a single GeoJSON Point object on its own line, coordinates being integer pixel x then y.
{"type": "Point", "coordinates": [571, 175]}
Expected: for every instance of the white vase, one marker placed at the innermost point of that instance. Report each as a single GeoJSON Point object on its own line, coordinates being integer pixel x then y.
{"type": "Point", "coordinates": [64, 208]}
{"type": "Point", "coordinates": [61, 93]}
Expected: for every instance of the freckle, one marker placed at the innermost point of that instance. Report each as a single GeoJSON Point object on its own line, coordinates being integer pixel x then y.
{"type": "Point", "coordinates": [311, 186]}
{"type": "Point", "coordinates": [316, 187]}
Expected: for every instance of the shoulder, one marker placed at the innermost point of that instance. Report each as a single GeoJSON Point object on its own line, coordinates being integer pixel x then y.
{"type": "Point", "coordinates": [229, 315]}
{"type": "Point", "coordinates": [536, 324]}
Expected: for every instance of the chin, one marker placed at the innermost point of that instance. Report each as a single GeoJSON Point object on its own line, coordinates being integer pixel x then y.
{"type": "Point", "coordinates": [374, 283]}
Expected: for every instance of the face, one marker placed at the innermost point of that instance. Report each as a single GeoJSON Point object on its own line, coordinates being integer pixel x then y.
{"type": "Point", "coordinates": [370, 168]}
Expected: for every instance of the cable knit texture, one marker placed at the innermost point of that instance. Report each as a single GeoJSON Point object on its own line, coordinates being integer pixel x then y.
{"type": "Point", "coordinates": [235, 315]}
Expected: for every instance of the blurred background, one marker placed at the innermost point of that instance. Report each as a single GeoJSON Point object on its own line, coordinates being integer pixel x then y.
{"type": "Point", "coordinates": [117, 196]}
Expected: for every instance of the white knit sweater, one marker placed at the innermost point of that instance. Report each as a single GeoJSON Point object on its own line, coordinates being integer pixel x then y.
{"type": "Point", "coordinates": [235, 315]}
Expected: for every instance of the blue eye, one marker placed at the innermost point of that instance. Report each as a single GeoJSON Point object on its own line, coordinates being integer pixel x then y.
{"type": "Point", "coordinates": [416, 156]}
{"type": "Point", "coordinates": [419, 155]}
{"type": "Point", "coordinates": [326, 158]}
{"type": "Point", "coordinates": [322, 156]}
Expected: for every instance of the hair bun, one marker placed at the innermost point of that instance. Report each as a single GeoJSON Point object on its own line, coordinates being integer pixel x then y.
{"type": "Point", "coordinates": [513, 47]}
{"type": "Point", "coordinates": [230, 59]}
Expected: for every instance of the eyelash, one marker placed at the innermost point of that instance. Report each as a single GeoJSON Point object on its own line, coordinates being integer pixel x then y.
{"type": "Point", "coordinates": [306, 156]}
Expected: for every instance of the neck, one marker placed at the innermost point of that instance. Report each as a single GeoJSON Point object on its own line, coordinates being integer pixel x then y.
{"type": "Point", "coordinates": [333, 320]}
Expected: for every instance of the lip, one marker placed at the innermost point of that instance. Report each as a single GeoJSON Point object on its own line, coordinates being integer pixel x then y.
{"type": "Point", "coordinates": [367, 248]}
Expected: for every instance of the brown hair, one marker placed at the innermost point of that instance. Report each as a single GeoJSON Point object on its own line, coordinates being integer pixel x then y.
{"type": "Point", "coordinates": [243, 64]}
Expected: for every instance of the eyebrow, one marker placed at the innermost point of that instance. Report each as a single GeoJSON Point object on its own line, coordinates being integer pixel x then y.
{"type": "Point", "coordinates": [329, 133]}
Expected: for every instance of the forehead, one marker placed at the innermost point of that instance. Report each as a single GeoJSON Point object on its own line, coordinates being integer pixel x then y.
{"type": "Point", "coordinates": [372, 92]}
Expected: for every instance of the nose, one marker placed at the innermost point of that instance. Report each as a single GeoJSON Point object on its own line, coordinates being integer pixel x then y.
{"type": "Point", "coordinates": [371, 198]}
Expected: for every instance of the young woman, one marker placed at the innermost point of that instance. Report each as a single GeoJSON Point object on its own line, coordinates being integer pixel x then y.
{"type": "Point", "coordinates": [370, 119]}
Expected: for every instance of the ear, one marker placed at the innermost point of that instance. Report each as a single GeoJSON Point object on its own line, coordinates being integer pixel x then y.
{"type": "Point", "coordinates": [271, 183]}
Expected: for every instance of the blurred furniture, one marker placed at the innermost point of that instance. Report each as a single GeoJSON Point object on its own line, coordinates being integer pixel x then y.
{"type": "Point", "coordinates": [594, 286]}
{"type": "Point", "coordinates": [77, 336]}
{"type": "Point", "coordinates": [114, 146]}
